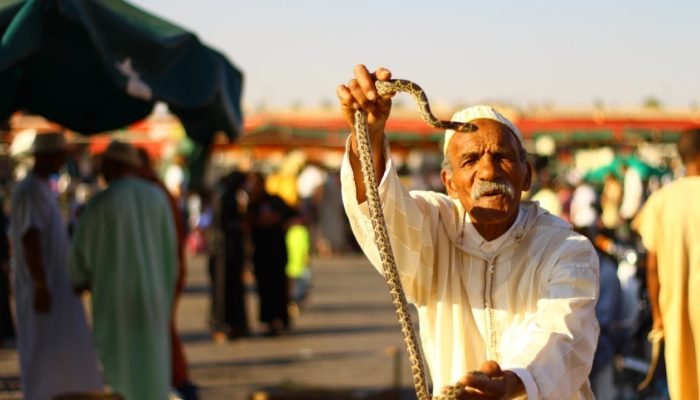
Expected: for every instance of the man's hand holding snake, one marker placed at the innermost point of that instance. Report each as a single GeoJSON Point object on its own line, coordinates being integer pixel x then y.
{"type": "Point", "coordinates": [360, 93]}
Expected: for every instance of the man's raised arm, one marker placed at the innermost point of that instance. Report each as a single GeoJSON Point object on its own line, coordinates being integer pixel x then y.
{"type": "Point", "coordinates": [360, 94]}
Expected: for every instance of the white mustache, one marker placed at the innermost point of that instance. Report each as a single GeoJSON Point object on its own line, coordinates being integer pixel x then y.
{"type": "Point", "coordinates": [480, 188]}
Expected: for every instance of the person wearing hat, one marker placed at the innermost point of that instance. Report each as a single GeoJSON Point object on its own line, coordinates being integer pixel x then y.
{"type": "Point", "coordinates": [53, 339]}
{"type": "Point", "coordinates": [124, 252]}
{"type": "Point", "coordinates": [501, 286]}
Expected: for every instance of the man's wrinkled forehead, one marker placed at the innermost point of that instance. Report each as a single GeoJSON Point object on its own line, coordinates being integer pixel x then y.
{"type": "Point", "coordinates": [494, 135]}
{"type": "Point", "coordinates": [481, 112]}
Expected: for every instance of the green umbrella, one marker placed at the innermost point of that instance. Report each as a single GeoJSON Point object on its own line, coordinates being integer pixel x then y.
{"type": "Point", "coordinates": [615, 168]}
{"type": "Point", "coordinates": [94, 66]}
{"type": "Point", "coordinates": [598, 175]}
{"type": "Point", "coordinates": [645, 170]}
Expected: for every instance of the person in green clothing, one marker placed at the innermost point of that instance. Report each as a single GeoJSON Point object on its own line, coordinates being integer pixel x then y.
{"type": "Point", "coordinates": [298, 242]}
{"type": "Point", "coordinates": [124, 252]}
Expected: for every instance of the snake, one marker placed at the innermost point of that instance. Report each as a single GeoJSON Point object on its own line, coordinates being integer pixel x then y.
{"type": "Point", "coordinates": [381, 235]}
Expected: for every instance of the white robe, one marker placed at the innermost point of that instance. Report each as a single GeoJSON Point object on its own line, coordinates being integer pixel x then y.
{"type": "Point", "coordinates": [526, 300]}
{"type": "Point", "coordinates": [55, 349]}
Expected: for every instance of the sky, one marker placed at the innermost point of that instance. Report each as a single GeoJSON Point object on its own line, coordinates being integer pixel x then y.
{"type": "Point", "coordinates": [521, 52]}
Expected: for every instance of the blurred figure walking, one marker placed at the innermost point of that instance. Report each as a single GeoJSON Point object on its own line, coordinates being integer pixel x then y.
{"type": "Point", "coordinates": [310, 188]}
{"type": "Point", "coordinates": [298, 241]}
{"type": "Point", "coordinates": [267, 216]}
{"type": "Point", "coordinates": [608, 312]}
{"type": "Point", "coordinates": [669, 224]}
{"type": "Point", "coordinates": [546, 195]}
{"type": "Point", "coordinates": [632, 199]}
{"type": "Point", "coordinates": [180, 373]}
{"type": "Point", "coordinates": [610, 200]}
{"type": "Point", "coordinates": [7, 326]}
{"type": "Point", "coordinates": [125, 253]}
{"type": "Point", "coordinates": [56, 353]}
{"type": "Point", "coordinates": [228, 302]}
{"type": "Point", "coordinates": [334, 228]}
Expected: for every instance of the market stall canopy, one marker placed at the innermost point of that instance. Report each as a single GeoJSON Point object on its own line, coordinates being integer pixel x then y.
{"type": "Point", "coordinates": [94, 66]}
{"type": "Point", "coordinates": [615, 168]}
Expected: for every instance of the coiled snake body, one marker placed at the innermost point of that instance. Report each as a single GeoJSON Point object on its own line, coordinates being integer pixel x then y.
{"type": "Point", "coordinates": [380, 231]}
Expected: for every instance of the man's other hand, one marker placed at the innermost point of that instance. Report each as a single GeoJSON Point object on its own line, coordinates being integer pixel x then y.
{"type": "Point", "coordinates": [489, 382]}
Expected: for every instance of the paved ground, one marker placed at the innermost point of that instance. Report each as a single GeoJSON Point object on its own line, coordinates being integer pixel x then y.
{"type": "Point", "coordinates": [342, 340]}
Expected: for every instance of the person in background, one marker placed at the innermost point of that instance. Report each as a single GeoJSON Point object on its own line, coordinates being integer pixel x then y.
{"type": "Point", "coordinates": [229, 299]}
{"type": "Point", "coordinates": [125, 254]}
{"type": "Point", "coordinates": [298, 249]}
{"type": "Point", "coordinates": [608, 311]}
{"type": "Point", "coordinates": [333, 224]}
{"type": "Point", "coordinates": [610, 200]}
{"type": "Point", "coordinates": [266, 217]}
{"type": "Point", "coordinates": [632, 199]}
{"type": "Point", "coordinates": [7, 325]}
{"type": "Point", "coordinates": [546, 196]}
{"type": "Point", "coordinates": [310, 188]}
{"type": "Point", "coordinates": [669, 225]}
{"type": "Point", "coordinates": [180, 373]}
{"type": "Point", "coordinates": [56, 353]}
{"type": "Point", "coordinates": [283, 181]}
{"type": "Point", "coordinates": [216, 265]}
{"type": "Point", "coordinates": [584, 206]}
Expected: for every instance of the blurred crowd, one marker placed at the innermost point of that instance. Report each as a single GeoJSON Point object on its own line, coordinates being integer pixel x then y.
{"type": "Point", "coordinates": [259, 228]}
{"type": "Point", "coordinates": [80, 223]}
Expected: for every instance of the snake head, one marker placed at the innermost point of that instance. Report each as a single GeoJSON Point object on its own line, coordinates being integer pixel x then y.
{"type": "Point", "coordinates": [402, 85]}
{"type": "Point", "coordinates": [461, 126]}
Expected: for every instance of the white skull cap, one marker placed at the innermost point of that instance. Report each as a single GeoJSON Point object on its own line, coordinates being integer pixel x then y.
{"type": "Point", "coordinates": [480, 112]}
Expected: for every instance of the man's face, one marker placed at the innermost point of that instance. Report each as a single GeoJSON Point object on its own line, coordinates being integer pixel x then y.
{"type": "Point", "coordinates": [488, 174]}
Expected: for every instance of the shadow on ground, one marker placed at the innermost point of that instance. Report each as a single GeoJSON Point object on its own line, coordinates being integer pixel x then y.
{"type": "Point", "coordinates": [8, 383]}
{"type": "Point", "coordinates": [291, 391]}
{"type": "Point", "coordinates": [287, 360]}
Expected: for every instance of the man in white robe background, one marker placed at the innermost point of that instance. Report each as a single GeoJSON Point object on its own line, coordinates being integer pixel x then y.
{"type": "Point", "coordinates": [53, 339]}
{"type": "Point", "coordinates": [501, 286]}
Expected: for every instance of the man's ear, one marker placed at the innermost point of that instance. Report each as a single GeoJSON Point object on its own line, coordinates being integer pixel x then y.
{"type": "Point", "coordinates": [449, 183]}
{"type": "Point", "coordinates": [528, 176]}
